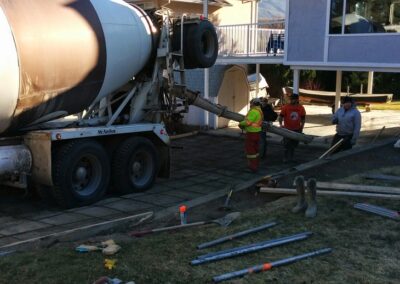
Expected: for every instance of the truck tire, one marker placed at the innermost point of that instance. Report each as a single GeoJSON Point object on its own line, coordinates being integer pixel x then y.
{"type": "Point", "coordinates": [135, 165]}
{"type": "Point", "coordinates": [200, 45]}
{"type": "Point", "coordinates": [81, 173]}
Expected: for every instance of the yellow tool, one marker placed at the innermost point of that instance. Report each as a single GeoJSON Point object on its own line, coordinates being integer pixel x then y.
{"type": "Point", "coordinates": [110, 263]}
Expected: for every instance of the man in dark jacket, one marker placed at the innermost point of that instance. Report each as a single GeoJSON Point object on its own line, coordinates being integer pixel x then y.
{"type": "Point", "coordinates": [269, 116]}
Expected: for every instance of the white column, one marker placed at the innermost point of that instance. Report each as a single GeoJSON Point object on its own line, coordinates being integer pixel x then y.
{"type": "Point", "coordinates": [206, 71]}
{"type": "Point", "coordinates": [206, 95]}
{"type": "Point", "coordinates": [257, 78]}
{"type": "Point", "coordinates": [296, 80]}
{"type": "Point", "coordinates": [370, 82]}
{"type": "Point", "coordinates": [338, 89]}
{"type": "Point", "coordinates": [205, 8]}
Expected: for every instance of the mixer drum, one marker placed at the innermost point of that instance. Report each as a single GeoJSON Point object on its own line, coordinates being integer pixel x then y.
{"type": "Point", "coordinates": [58, 56]}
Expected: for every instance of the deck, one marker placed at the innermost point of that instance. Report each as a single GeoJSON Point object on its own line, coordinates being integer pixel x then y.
{"type": "Point", "coordinates": [261, 43]}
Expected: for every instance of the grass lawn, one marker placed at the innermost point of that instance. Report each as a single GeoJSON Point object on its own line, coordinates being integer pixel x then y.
{"type": "Point", "coordinates": [388, 106]}
{"type": "Point", "coordinates": [365, 250]}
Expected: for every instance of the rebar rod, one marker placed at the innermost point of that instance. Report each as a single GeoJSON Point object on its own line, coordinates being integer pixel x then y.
{"type": "Point", "coordinates": [236, 235]}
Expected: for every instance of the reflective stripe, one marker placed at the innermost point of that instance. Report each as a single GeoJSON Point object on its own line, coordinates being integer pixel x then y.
{"type": "Point", "coordinates": [255, 156]}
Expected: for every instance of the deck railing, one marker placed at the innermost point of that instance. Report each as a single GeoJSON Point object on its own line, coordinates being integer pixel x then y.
{"type": "Point", "coordinates": [267, 39]}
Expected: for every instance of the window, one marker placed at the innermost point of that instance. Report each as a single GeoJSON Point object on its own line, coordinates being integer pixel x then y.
{"type": "Point", "coordinates": [369, 16]}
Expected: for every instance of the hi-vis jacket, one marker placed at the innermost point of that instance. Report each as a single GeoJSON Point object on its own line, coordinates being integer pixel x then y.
{"type": "Point", "coordinates": [253, 120]}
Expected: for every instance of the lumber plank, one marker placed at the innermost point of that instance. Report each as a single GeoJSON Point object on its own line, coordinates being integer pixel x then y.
{"type": "Point", "coordinates": [382, 177]}
{"type": "Point", "coordinates": [331, 193]}
{"type": "Point", "coordinates": [358, 187]}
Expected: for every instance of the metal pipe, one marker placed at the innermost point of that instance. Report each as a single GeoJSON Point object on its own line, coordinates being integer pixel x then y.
{"type": "Point", "coordinates": [196, 100]}
{"type": "Point", "coordinates": [237, 235]}
{"type": "Point", "coordinates": [270, 265]}
{"type": "Point", "coordinates": [15, 159]}
{"type": "Point", "coordinates": [381, 213]}
{"type": "Point", "coordinates": [240, 248]}
{"type": "Point", "coordinates": [273, 243]}
{"type": "Point", "coordinates": [378, 210]}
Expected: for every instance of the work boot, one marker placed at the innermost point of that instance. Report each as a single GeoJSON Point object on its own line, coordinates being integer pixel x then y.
{"type": "Point", "coordinates": [301, 202]}
{"type": "Point", "coordinates": [311, 211]}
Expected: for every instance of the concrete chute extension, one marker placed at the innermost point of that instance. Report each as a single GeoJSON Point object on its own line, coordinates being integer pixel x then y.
{"type": "Point", "coordinates": [222, 111]}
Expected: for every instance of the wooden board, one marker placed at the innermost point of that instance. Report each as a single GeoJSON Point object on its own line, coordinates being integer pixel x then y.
{"type": "Point", "coordinates": [358, 187]}
{"type": "Point", "coordinates": [331, 193]}
{"type": "Point", "coordinates": [382, 177]}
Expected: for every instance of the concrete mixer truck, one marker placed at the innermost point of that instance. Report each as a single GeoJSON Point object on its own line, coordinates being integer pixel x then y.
{"type": "Point", "coordinates": [84, 88]}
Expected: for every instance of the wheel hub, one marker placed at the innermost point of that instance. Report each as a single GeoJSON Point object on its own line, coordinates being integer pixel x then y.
{"type": "Point", "coordinates": [137, 168]}
{"type": "Point", "coordinates": [87, 175]}
{"type": "Point", "coordinates": [81, 174]}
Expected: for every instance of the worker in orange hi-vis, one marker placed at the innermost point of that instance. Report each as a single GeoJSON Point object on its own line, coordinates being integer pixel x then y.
{"type": "Point", "coordinates": [292, 117]}
{"type": "Point", "coordinates": [252, 126]}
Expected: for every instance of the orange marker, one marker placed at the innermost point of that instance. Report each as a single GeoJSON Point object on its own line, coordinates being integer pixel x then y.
{"type": "Point", "coordinates": [182, 211]}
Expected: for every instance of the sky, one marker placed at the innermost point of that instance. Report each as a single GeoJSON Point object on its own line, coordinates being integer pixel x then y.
{"type": "Point", "coordinates": [271, 9]}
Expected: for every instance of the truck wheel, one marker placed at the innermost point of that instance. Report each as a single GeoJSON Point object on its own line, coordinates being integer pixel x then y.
{"type": "Point", "coordinates": [135, 165]}
{"type": "Point", "coordinates": [202, 46]}
{"type": "Point", "coordinates": [81, 173]}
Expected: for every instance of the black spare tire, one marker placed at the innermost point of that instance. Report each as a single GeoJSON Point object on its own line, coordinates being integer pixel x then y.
{"type": "Point", "coordinates": [200, 44]}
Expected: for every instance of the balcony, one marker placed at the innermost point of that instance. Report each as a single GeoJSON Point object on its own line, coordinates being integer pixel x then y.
{"type": "Point", "coordinates": [261, 43]}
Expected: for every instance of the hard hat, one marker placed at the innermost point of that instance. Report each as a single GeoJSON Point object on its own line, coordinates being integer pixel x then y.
{"type": "Point", "coordinates": [255, 101]}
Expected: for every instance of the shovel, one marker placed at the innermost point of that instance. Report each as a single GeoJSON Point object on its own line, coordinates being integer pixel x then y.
{"type": "Point", "coordinates": [224, 221]}
{"type": "Point", "coordinates": [226, 206]}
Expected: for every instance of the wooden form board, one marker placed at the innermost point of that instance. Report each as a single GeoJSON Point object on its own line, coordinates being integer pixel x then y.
{"type": "Point", "coordinates": [358, 187]}
{"type": "Point", "coordinates": [382, 177]}
{"type": "Point", "coordinates": [331, 193]}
